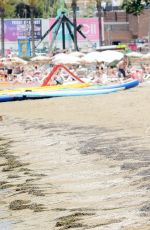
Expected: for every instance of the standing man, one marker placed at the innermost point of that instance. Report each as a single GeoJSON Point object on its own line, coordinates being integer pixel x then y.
{"type": "Point", "coordinates": [123, 66]}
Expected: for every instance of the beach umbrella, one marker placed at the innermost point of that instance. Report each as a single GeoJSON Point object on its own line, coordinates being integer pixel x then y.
{"type": "Point", "coordinates": [91, 57]}
{"type": "Point", "coordinates": [77, 54]}
{"type": "Point", "coordinates": [14, 60]}
{"type": "Point", "coordinates": [40, 59]}
{"type": "Point", "coordinates": [146, 56]}
{"type": "Point", "coordinates": [109, 56]}
{"type": "Point", "coordinates": [65, 59]}
{"type": "Point", "coordinates": [134, 54]}
{"type": "Point", "coordinates": [59, 56]}
{"type": "Point", "coordinates": [3, 59]}
{"type": "Point", "coordinates": [18, 61]}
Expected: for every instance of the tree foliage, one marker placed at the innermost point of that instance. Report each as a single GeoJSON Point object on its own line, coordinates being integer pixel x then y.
{"type": "Point", "coordinates": [9, 7]}
{"type": "Point", "coordinates": [134, 7]}
{"type": "Point", "coordinates": [48, 8]}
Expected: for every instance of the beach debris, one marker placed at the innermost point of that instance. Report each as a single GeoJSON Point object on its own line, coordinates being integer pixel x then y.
{"type": "Point", "coordinates": [12, 164]}
{"type": "Point", "coordinates": [37, 207]}
{"type": "Point", "coordinates": [12, 176]}
{"type": "Point", "coordinates": [19, 204]}
{"type": "Point", "coordinates": [5, 185]}
{"type": "Point", "coordinates": [71, 221]}
{"type": "Point", "coordinates": [25, 204]}
{"type": "Point", "coordinates": [145, 210]}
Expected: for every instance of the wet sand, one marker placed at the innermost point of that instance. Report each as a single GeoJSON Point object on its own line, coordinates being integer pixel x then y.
{"type": "Point", "coordinates": [76, 162]}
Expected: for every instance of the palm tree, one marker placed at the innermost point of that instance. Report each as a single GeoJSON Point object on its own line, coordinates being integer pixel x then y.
{"type": "Point", "coordinates": [98, 5]}
{"type": "Point", "coordinates": [2, 11]}
{"type": "Point", "coordinates": [74, 8]}
{"type": "Point", "coordinates": [32, 4]}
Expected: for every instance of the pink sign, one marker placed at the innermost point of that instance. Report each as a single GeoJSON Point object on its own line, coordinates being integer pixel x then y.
{"type": "Point", "coordinates": [89, 28]}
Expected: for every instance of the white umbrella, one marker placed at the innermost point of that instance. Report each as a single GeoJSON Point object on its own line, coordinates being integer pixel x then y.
{"type": "Point", "coordinates": [17, 60]}
{"type": "Point", "coordinates": [40, 58]}
{"type": "Point", "coordinates": [4, 59]}
{"type": "Point", "coordinates": [134, 54]}
{"type": "Point", "coordinates": [13, 60]}
{"type": "Point", "coordinates": [65, 59]}
{"type": "Point", "coordinates": [91, 57]}
{"type": "Point", "coordinates": [146, 56]}
{"type": "Point", "coordinates": [109, 56]}
{"type": "Point", "coordinates": [77, 54]}
{"type": "Point", "coordinates": [59, 56]}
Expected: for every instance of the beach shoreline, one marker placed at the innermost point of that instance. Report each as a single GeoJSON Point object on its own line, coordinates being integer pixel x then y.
{"type": "Point", "coordinates": [76, 162]}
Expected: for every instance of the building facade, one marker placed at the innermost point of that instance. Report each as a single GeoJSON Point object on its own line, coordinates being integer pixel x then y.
{"type": "Point", "coordinates": [116, 26]}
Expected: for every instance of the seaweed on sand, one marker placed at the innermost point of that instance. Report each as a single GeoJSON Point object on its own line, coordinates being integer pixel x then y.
{"type": "Point", "coordinates": [25, 204]}
{"type": "Point", "coordinates": [71, 221]}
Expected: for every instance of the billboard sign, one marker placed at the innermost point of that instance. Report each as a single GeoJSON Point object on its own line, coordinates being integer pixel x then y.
{"type": "Point", "coordinates": [21, 28]}
{"type": "Point", "coordinates": [24, 47]}
{"type": "Point", "coordinates": [90, 29]}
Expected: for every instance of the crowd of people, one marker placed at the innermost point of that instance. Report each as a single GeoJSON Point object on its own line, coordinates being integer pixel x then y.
{"type": "Point", "coordinates": [26, 74]}
{"type": "Point", "coordinates": [100, 73]}
{"type": "Point", "coordinates": [119, 72]}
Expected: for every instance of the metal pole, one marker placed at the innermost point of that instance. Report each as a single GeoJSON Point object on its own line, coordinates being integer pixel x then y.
{"type": "Point", "coordinates": [2, 32]}
{"type": "Point", "coordinates": [55, 34]}
{"type": "Point", "coordinates": [108, 35]}
{"type": "Point", "coordinates": [32, 30]}
{"type": "Point", "coordinates": [75, 25]}
{"type": "Point", "coordinates": [63, 35]}
{"type": "Point", "coordinates": [99, 21]}
{"type": "Point", "coordinates": [103, 30]}
{"type": "Point", "coordinates": [149, 29]}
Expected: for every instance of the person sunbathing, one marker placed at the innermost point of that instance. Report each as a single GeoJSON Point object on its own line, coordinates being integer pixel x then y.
{"type": "Point", "coordinates": [112, 74]}
{"type": "Point", "coordinates": [2, 75]}
{"type": "Point", "coordinates": [97, 75]}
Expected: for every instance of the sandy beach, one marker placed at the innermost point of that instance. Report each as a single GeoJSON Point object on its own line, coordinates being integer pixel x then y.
{"type": "Point", "coordinates": [76, 162]}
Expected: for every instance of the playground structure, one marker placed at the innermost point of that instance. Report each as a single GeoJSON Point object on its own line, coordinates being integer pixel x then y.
{"type": "Point", "coordinates": [63, 22]}
{"type": "Point", "coordinates": [55, 69]}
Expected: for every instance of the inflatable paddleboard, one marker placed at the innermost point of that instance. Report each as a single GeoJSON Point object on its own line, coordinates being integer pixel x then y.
{"type": "Point", "coordinates": [126, 85]}
{"type": "Point", "coordinates": [64, 93]}
{"type": "Point", "coordinates": [9, 97]}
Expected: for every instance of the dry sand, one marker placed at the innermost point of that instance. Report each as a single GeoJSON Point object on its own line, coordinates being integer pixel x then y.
{"type": "Point", "coordinates": [76, 162]}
